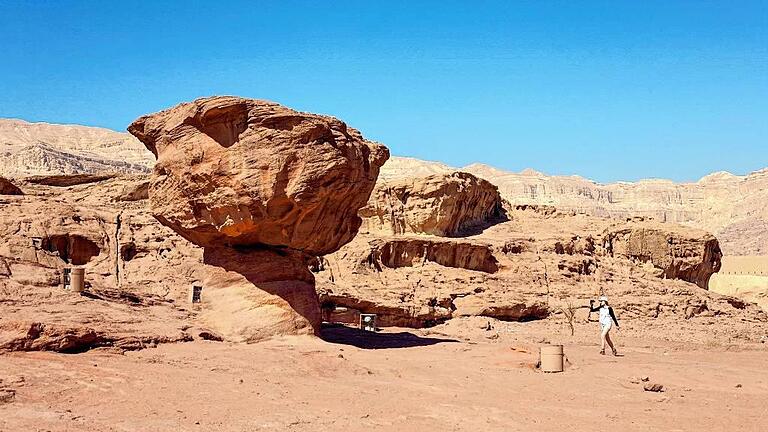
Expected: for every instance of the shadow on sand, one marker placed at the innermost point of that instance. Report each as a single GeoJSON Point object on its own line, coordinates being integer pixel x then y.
{"type": "Point", "coordinates": [343, 335]}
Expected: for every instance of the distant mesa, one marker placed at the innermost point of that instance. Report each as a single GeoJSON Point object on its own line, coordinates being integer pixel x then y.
{"type": "Point", "coordinates": [530, 172]}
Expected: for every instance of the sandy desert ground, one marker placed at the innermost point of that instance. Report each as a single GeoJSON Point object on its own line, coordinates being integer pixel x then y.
{"type": "Point", "coordinates": [458, 377]}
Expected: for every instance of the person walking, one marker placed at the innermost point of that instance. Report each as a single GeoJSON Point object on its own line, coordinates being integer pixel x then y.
{"type": "Point", "coordinates": [607, 319]}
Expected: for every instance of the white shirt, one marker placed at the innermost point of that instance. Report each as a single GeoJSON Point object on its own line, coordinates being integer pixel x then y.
{"type": "Point", "coordinates": [605, 316]}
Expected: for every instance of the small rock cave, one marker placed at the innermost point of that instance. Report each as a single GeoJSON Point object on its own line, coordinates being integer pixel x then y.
{"type": "Point", "coordinates": [224, 125]}
{"type": "Point", "coordinates": [128, 251]}
{"type": "Point", "coordinates": [72, 248]}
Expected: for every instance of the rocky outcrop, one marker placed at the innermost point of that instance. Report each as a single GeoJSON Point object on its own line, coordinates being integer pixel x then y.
{"type": "Point", "coordinates": [134, 192]}
{"type": "Point", "coordinates": [441, 204]}
{"type": "Point", "coordinates": [411, 252]}
{"type": "Point", "coordinates": [250, 295]}
{"type": "Point", "coordinates": [262, 188]}
{"type": "Point", "coordinates": [532, 266]}
{"type": "Point", "coordinates": [138, 283]}
{"type": "Point", "coordinates": [67, 180]}
{"type": "Point", "coordinates": [137, 273]}
{"type": "Point", "coordinates": [729, 206]}
{"type": "Point", "coordinates": [505, 309]}
{"type": "Point", "coordinates": [8, 188]}
{"type": "Point", "coordinates": [676, 252]}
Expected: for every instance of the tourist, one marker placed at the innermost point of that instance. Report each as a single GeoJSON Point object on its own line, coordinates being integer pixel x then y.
{"type": "Point", "coordinates": [607, 318]}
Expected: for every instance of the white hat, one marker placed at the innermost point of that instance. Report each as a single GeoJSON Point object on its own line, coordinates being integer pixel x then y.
{"type": "Point", "coordinates": [604, 298]}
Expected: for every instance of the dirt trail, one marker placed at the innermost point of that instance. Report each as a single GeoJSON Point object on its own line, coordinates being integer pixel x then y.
{"type": "Point", "coordinates": [396, 380]}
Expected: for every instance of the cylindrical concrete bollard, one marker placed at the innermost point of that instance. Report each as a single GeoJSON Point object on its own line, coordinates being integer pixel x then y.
{"type": "Point", "coordinates": [551, 358]}
{"type": "Point", "coordinates": [77, 280]}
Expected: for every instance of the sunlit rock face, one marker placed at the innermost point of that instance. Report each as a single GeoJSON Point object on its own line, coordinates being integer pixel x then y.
{"type": "Point", "coordinates": [234, 171]}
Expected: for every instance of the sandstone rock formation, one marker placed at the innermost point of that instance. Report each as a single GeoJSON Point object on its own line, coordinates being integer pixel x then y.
{"type": "Point", "coordinates": [234, 171]}
{"type": "Point", "coordinates": [251, 295]}
{"type": "Point", "coordinates": [137, 271]}
{"type": "Point", "coordinates": [8, 188]}
{"type": "Point", "coordinates": [49, 149]}
{"type": "Point", "coordinates": [729, 206]}
{"type": "Point", "coordinates": [277, 184]}
{"type": "Point", "coordinates": [677, 252]}
{"type": "Point", "coordinates": [138, 281]}
{"type": "Point", "coordinates": [441, 204]}
{"type": "Point", "coordinates": [68, 180]}
{"type": "Point", "coordinates": [525, 268]}
{"type": "Point", "coordinates": [724, 204]}
{"type": "Point", "coordinates": [399, 252]}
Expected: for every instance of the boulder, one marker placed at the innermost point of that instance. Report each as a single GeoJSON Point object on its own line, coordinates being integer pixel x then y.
{"type": "Point", "coordinates": [262, 188]}
{"type": "Point", "coordinates": [676, 252]}
{"type": "Point", "coordinates": [442, 204]}
{"type": "Point", "coordinates": [8, 188]}
{"type": "Point", "coordinates": [233, 171]}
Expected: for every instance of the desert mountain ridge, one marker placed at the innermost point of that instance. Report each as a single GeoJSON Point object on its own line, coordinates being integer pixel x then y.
{"type": "Point", "coordinates": [28, 149]}
{"type": "Point", "coordinates": [728, 205]}
{"type": "Point", "coordinates": [398, 165]}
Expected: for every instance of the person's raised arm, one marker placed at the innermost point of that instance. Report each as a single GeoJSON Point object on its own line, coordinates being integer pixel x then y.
{"type": "Point", "coordinates": [592, 307]}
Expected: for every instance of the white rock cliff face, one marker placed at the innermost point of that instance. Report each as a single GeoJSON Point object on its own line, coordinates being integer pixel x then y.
{"type": "Point", "coordinates": [47, 149]}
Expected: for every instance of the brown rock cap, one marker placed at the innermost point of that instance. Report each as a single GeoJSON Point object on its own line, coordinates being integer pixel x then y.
{"type": "Point", "coordinates": [244, 172]}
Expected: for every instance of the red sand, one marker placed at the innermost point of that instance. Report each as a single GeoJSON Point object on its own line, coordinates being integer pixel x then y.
{"type": "Point", "coordinates": [412, 381]}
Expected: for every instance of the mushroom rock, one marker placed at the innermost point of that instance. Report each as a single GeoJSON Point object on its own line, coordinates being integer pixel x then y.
{"type": "Point", "coordinates": [261, 187]}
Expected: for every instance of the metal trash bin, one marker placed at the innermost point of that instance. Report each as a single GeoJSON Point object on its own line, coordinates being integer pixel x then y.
{"type": "Point", "coordinates": [77, 280]}
{"type": "Point", "coordinates": [368, 322]}
{"type": "Point", "coordinates": [66, 278]}
{"type": "Point", "coordinates": [196, 294]}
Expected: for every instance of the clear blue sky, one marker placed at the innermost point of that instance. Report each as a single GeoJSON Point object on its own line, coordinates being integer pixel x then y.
{"type": "Point", "coordinates": [610, 90]}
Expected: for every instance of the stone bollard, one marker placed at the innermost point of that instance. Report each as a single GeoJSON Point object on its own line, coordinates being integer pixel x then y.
{"type": "Point", "coordinates": [551, 358]}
